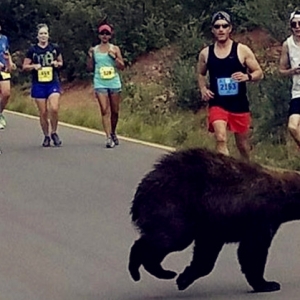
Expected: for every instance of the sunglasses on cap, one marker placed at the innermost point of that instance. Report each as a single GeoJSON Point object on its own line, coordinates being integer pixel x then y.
{"type": "Point", "coordinates": [294, 24]}
{"type": "Point", "coordinates": [105, 32]}
{"type": "Point", "coordinates": [218, 26]}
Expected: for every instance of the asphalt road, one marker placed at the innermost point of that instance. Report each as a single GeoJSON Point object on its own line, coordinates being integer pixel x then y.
{"type": "Point", "coordinates": [65, 229]}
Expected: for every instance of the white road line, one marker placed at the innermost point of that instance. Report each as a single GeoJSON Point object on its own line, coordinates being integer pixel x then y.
{"type": "Point", "coordinates": [167, 148]}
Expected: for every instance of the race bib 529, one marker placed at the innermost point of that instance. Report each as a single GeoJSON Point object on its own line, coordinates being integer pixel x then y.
{"type": "Point", "coordinates": [107, 72]}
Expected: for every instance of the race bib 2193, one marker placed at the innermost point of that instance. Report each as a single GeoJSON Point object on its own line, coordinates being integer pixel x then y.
{"type": "Point", "coordinates": [227, 87]}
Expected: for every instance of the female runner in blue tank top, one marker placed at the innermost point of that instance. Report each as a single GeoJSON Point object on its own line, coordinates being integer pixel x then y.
{"type": "Point", "coordinates": [105, 60]}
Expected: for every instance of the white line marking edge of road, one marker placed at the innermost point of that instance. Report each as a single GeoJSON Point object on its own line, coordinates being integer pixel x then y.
{"type": "Point", "coordinates": [167, 148]}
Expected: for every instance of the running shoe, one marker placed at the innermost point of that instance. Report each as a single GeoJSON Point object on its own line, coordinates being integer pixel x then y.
{"type": "Point", "coordinates": [2, 122]}
{"type": "Point", "coordinates": [115, 139]}
{"type": "Point", "coordinates": [46, 142]}
{"type": "Point", "coordinates": [55, 138]}
{"type": "Point", "coordinates": [110, 143]}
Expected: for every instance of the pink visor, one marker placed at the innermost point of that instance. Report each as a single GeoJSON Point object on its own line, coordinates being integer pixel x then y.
{"type": "Point", "coordinates": [105, 27]}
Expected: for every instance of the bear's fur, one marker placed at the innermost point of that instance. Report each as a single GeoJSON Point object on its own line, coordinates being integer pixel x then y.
{"type": "Point", "coordinates": [211, 199]}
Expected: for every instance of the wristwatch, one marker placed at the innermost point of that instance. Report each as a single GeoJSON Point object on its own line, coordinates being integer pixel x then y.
{"type": "Point", "coordinates": [249, 77]}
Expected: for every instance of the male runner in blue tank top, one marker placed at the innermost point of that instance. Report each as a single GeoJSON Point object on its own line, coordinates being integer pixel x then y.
{"type": "Point", "coordinates": [230, 65]}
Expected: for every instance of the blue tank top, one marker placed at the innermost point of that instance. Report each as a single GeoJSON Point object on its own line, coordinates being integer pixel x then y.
{"type": "Point", "coordinates": [105, 74]}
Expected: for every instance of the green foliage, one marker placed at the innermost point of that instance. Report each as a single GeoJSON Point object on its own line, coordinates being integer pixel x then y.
{"type": "Point", "coordinates": [73, 25]}
{"type": "Point", "coordinates": [269, 104]}
{"type": "Point", "coordinates": [140, 26]}
{"type": "Point", "coordinates": [184, 83]}
{"type": "Point", "coordinates": [183, 74]}
{"type": "Point", "coordinates": [191, 39]}
{"type": "Point", "coordinates": [268, 14]}
{"type": "Point", "coordinates": [21, 102]}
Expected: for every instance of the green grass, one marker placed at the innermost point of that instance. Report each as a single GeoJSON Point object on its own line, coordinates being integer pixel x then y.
{"type": "Point", "coordinates": [140, 119]}
{"type": "Point", "coordinates": [82, 117]}
{"type": "Point", "coordinates": [21, 102]}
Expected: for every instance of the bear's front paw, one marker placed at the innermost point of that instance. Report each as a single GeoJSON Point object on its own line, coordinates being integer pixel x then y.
{"type": "Point", "coordinates": [183, 281]}
{"type": "Point", "coordinates": [267, 286]}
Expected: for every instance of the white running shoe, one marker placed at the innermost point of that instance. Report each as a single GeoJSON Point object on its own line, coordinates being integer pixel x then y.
{"type": "Point", "coordinates": [110, 143]}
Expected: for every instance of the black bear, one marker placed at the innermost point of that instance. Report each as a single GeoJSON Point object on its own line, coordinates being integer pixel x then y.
{"type": "Point", "coordinates": [211, 199]}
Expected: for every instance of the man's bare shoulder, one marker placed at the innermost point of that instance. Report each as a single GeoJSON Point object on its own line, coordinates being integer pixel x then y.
{"type": "Point", "coordinates": [244, 48]}
{"type": "Point", "coordinates": [204, 53]}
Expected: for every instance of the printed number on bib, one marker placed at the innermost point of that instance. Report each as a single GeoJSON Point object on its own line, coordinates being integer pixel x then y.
{"type": "Point", "coordinates": [227, 87]}
{"type": "Point", "coordinates": [5, 75]}
{"type": "Point", "coordinates": [107, 72]}
{"type": "Point", "coordinates": [45, 74]}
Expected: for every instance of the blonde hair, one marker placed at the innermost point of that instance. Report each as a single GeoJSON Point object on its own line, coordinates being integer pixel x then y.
{"type": "Point", "coordinates": [42, 25]}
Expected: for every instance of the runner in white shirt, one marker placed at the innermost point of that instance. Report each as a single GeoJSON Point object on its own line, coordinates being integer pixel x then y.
{"type": "Point", "coordinates": [290, 66]}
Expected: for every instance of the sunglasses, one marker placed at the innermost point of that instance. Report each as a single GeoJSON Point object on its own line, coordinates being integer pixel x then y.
{"type": "Point", "coordinates": [295, 24]}
{"type": "Point", "coordinates": [218, 26]}
{"type": "Point", "coordinates": [104, 33]}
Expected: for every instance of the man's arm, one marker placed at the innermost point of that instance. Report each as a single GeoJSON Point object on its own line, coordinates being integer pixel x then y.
{"type": "Point", "coordinates": [284, 62]}
{"type": "Point", "coordinates": [254, 69]}
{"type": "Point", "coordinates": [247, 57]}
{"type": "Point", "coordinates": [202, 70]}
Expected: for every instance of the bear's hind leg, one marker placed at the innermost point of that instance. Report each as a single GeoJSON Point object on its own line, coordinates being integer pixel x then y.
{"type": "Point", "coordinates": [143, 253]}
{"type": "Point", "coordinates": [252, 254]}
{"type": "Point", "coordinates": [206, 251]}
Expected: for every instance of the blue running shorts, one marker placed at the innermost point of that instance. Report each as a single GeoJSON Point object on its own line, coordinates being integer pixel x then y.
{"type": "Point", "coordinates": [44, 90]}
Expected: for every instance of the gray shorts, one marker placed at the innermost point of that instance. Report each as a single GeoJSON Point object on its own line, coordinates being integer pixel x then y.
{"type": "Point", "coordinates": [107, 91]}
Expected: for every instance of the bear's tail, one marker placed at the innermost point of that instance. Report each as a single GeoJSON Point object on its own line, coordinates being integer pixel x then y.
{"type": "Point", "coordinates": [142, 254]}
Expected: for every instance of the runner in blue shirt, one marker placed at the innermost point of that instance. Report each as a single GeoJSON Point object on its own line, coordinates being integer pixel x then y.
{"type": "Point", "coordinates": [6, 66]}
{"type": "Point", "coordinates": [43, 60]}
